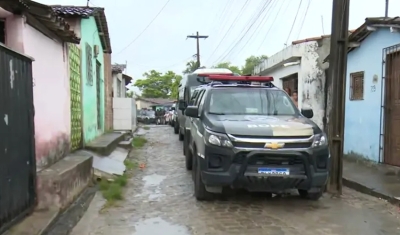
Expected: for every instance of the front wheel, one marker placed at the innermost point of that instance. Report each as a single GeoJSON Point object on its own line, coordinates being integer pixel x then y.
{"type": "Point", "coordinates": [200, 191]}
{"type": "Point", "coordinates": [315, 196]}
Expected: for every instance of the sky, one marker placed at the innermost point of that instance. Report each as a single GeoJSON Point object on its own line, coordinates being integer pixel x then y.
{"type": "Point", "coordinates": [236, 29]}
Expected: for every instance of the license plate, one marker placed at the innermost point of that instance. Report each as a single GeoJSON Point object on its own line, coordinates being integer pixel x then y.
{"type": "Point", "coordinates": [274, 171]}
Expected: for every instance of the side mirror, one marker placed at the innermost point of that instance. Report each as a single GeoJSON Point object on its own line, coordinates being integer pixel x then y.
{"type": "Point", "coordinates": [182, 105]}
{"type": "Point", "coordinates": [308, 113]}
{"type": "Point", "coordinates": [192, 111]}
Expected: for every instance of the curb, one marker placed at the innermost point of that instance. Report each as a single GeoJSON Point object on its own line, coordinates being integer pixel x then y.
{"type": "Point", "coordinates": [370, 191]}
{"type": "Point", "coordinates": [64, 223]}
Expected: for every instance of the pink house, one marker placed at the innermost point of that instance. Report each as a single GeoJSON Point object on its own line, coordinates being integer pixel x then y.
{"type": "Point", "coordinates": [44, 37]}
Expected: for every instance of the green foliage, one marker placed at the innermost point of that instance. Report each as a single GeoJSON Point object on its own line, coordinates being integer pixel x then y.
{"type": "Point", "coordinates": [228, 65]}
{"type": "Point", "coordinates": [252, 62]}
{"type": "Point", "coordinates": [191, 66]}
{"type": "Point", "coordinates": [156, 84]}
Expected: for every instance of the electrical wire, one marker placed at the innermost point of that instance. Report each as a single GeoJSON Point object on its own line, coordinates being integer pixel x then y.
{"type": "Point", "coordinates": [140, 34]}
{"type": "Point", "coordinates": [304, 19]}
{"type": "Point", "coordinates": [262, 22]}
{"type": "Point", "coordinates": [272, 24]}
{"type": "Point", "coordinates": [294, 22]}
{"type": "Point", "coordinates": [247, 25]}
{"type": "Point", "coordinates": [248, 29]}
{"type": "Point", "coordinates": [229, 29]}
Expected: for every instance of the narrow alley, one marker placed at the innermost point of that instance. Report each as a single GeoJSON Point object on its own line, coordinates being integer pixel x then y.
{"type": "Point", "coordinates": [159, 200]}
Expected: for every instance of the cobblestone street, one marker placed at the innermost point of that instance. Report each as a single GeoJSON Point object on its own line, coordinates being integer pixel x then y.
{"type": "Point", "coordinates": [159, 200]}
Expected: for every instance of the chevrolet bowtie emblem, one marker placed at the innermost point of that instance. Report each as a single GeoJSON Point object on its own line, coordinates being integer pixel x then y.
{"type": "Point", "coordinates": [274, 145]}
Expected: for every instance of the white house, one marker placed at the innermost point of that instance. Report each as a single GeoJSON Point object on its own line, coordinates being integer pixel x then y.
{"type": "Point", "coordinates": [124, 108]}
{"type": "Point", "coordinates": [300, 67]}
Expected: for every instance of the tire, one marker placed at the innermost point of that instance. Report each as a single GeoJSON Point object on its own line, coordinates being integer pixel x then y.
{"type": "Point", "coordinates": [188, 159]}
{"type": "Point", "coordinates": [176, 127]}
{"type": "Point", "coordinates": [315, 196]}
{"type": "Point", "coordinates": [181, 136]}
{"type": "Point", "coordinates": [200, 191]}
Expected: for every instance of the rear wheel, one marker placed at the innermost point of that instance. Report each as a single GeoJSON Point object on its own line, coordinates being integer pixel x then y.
{"type": "Point", "coordinates": [180, 135]}
{"type": "Point", "coordinates": [176, 127]}
{"type": "Point", "coordinates": [188, 159]}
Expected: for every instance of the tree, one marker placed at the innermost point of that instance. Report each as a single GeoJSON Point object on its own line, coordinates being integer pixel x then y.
{"type": "Point", "coordinates": [191, 66]}
{"type": "Point", "coordinates": [227, 65]}
{"type": "Point", "coordinates": [129, 94]}
{"type": "Point", "coordinates": [175, 86]}
{"type": "Point", "coordinates": [156, 84]}
{"type": "Point", "coordinates": [252, 62]}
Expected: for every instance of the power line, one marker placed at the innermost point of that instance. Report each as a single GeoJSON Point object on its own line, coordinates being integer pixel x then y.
{"type": "Point", "coordinates": [246, 26]}
{"type": "Point", "coordinates": [229, 29]}
{"type": "Point", "coordinates": [140, 34]}
{"type": "Point", "coordinates": [248, 29]}
{"type": "Point", "coordinates": [272, 24]}
{"type": "Point", "coordinates": [304, 19]}
{"type": "Point", "coordinates": [270, 7]}
{"type": "Point", "coordinates": [294, 21]}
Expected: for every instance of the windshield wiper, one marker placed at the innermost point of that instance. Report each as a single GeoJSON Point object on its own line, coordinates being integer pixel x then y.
{"type": "Point", "coordinates": [216, 113]}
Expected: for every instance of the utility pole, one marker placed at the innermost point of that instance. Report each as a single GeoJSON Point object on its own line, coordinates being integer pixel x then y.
{"type": "Point", "coordinates": [197, 37]}
{"type": "Point", "coordinates": [387, 8]}
{"type": "Point", "coordinates": [337, 90]}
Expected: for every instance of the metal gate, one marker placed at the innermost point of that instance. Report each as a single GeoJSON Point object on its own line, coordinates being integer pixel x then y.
{"type": "Point", "coordinates": [17, 142]}
{"type": "Point", "coordinates": [76, 96]}
{"type": "Point", "coordinates": [391, 105]}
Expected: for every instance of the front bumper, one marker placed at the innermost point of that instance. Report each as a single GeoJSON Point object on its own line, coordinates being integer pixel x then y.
{"type": "Point", "coordinates": [238, 168]}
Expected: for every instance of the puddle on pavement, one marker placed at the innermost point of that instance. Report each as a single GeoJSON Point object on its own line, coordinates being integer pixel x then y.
{"type": "Point", "coordinates": [152, 187]}
{"type": "Point", "coordinates": [159, 226]}
{"type": "Point", "coordinates": [153, 180]}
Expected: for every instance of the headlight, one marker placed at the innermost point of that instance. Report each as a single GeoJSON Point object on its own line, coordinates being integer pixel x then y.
{"type": "Point", "coordinates": [320, 140]}
{"type": "Point", "coordinates": [218, 139]}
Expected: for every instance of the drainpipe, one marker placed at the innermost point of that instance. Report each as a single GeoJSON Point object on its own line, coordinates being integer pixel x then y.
{"type": "Point", "coordinates": [324, 119]}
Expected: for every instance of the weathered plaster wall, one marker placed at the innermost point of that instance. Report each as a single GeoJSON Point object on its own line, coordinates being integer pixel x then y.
{"type": "Point", "coordinates": [108, 88]}
{"type": "Point", "coordinates": [51, 96]}
{"type": "Point", "coordinates": [362, 119]}
{"type": "Point", "coordinates": [89, 34]}
{"type": "Point", "coordinates": [14, 28]}
{"type": "Point", "coordinates": [311, 74]}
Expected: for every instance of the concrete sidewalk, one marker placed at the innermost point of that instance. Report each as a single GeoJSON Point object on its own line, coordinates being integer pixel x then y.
{"type": "Point", "coordinates": [377, 180]}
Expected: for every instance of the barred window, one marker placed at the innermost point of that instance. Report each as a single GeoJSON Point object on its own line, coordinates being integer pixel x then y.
{"type": "Point", "coordinates": [357, 86]}
{"type": "Point", "coordinates": [89, 64]}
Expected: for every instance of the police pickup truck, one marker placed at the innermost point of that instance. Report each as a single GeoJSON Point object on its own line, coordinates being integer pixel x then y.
{"type": "Point", "coordinates": [246, 133]}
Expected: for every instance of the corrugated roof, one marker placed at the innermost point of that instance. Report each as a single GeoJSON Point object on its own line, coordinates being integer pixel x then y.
{"type": "Point", "coordinates": [361, 33]}
{"type": "Point", "coordinates": [39, 15]}
{"type": "Point", "coordinates": [85, 12]}
{"type": "Point", "coordinates": [316, 38]}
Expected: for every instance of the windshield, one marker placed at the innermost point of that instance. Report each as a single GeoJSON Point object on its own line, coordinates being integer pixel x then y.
{"type": "Point", "coordinates": [252, 101]}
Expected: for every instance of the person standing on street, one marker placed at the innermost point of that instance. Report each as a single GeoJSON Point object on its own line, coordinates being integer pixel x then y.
{"type": "Point", "coordinates": [295, 98]}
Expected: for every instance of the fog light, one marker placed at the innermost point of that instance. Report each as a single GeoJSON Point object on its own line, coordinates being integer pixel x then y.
{"type": "Point", "coordinates": [215, 162]}
{"type": "Point", "coordinates": [321, 162]}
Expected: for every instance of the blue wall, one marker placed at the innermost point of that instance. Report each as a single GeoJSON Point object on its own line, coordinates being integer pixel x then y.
{"type": "Point", "coordinates": [362, 121]}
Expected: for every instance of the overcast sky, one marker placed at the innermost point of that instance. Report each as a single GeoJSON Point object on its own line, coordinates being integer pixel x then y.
{"type": "Point", "coordinates": [163, 46]}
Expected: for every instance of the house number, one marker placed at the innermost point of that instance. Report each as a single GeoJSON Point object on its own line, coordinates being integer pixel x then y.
{"type": "Point", "coordinates": [373, 88]}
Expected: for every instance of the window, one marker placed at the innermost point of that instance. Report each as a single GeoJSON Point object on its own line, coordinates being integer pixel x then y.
{"type": "Point", "coordinates": [89, 65]}
{"type": "Point", "coordinates": [199, 97]}
{"type": "Point", "coordinates": [290, 83]}
{"type": "Point", "coordinates": [3, 31]}
{"type": "Point", "coordinates": [201, 104]}
{"type": "Point", "coordinates": [193, 98]}
{"type": "Point", "coordinates": [357, 86]}
{"type": "Point", "coordinates": [239, 101]}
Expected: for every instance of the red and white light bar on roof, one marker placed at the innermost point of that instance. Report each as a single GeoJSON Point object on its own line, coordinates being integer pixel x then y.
{"type": "Point", "coordinates": [240, 78]}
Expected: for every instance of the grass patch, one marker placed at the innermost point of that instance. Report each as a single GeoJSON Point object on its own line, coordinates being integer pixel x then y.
{"type": "Point", "coordinates": [138, 142]}
{"type": "Point", "coordinates": [146, 128]}
{"type": "Point", "coordinates": [113, 190]}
